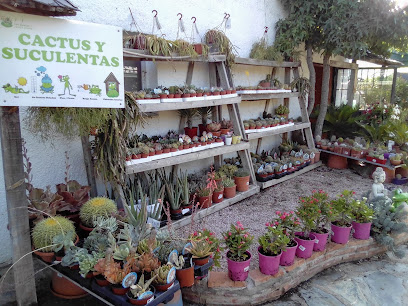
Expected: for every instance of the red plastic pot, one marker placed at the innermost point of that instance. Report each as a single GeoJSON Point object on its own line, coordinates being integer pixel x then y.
{"type": "Point", "coordinates": [185, 277]}
{"type": "Point", "coordinates": [134, 301]}
{"type": "Point", "coordinates": [191, 132]}
{"type": "Point", "coordinates": [119, 290]}
{"type": "Point", "coordinates": [201, 261]}
{"type": "Point", "coordinates": [163, 288]}
{"type": "Point", "coordinates": [101, 280]}
{"type": "Point", "coordinates": [218, 196]}
{"type": "Point", "coordinates": [205, 202]}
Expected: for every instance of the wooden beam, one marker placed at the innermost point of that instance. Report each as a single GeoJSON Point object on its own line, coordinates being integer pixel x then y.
{"type": "Point", "coordinates": [190, 70]}
{"type": "Point", "coordinates": [343, 65]}
{"type": "Point", "coordinates": [394, 84]}
{"type": "Point", "coordinates": [90, 172]}
{"type": "Point", "coordinates": [11, 147]}
{"type": "Point", "coordinates": [255, 62]}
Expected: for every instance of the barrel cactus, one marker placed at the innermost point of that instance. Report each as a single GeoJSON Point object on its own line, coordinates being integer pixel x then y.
{"type": "Point", "coordinates": [96, 207]}
{"type": "Point", "coordinates": [45, 231]}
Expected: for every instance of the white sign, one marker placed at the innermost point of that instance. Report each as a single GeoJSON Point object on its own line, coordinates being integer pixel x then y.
{"type": "Point", "coordinates": [59, 63]}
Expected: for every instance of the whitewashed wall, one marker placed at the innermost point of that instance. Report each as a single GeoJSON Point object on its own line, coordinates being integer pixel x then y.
{"type": "Point", "coordinates": [248, 19]}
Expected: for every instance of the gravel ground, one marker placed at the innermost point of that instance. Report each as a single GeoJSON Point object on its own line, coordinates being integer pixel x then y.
{"type": "Point", "coordinates": [255, 211]}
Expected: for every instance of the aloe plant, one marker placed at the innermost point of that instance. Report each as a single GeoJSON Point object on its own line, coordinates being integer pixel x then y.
{"type": "Point", "coordinates": [185, 188]}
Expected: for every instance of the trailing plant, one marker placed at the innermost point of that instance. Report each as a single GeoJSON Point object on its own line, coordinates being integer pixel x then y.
{"type": "Point", "coordinates": [387, 222]}
{"type": "Point", "coordinates": [274, 241]}
{"type": "Point", "coordinates": [45, 231]}
{"type": "Point", "coordinates": [158, 45]}
{"type": "Point", "coordinates": [221, 42]}
{"type": "Point", "coordinates": [184, 48]}
{"type": "Point", "coordinates": [238, 241]}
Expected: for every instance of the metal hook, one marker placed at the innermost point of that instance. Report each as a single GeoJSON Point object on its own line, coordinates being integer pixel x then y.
{"type": "Point", "coordinates": [226, 15]}
{"type": "Point", "coordinates": [154, 11]}
{"type": "Point", "coordinates": [194, 19]}
{"type": "Point", "coordinates": [266, 29]}
{"type": "Point", "coordinates": [181, 15]}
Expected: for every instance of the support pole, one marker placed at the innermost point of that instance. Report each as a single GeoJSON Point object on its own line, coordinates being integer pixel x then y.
{"type": "Point", "coordinates": [11, 146]}
{"type": "Point", "coordinates": [90, 172]}
{"type": "Point", "coordinates": [394, 84]}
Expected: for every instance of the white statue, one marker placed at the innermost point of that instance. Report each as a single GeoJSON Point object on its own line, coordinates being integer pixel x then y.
{"type": "Point", "coordinates": [378, 189]}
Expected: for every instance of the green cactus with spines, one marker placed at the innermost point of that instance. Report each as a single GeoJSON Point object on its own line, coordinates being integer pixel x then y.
{"type": "Point", "coordinates": [45, 231]}
{"type": "Point", "coordinates": [99, 206]}
{"type": "Point", "coordinates": [161, 274]}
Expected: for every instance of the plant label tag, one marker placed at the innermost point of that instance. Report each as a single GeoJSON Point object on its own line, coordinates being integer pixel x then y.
{"type": "Point", "coordinates": [302, 248]}
{"type": "Point", "coordinates": [374, 160]}
{"type": "Point", "coordinates": [219, 196]}
{"type": "Point", "coordinates": [312, 155]}
{"type": "Point", "coordinates": [153, 222]}
{"type": "Point", "coordinates": [185, 211]}
{"type": "Point", "coordinates": [187, 246]}
{"type": "Point", "coordinates": [246, 269]}
{"type": "Point", "coordinates": [173, 257]}
{"type": "Point", "coordinates": [316, 241]}
{"type": "Point", "coordinates": [151, 299]}
{"type": "Point", "coordinates": [171, 275]}
{"type": "Point", "coordinates": [129, 280]}
{"type": "Point", "coordinates": [247, 183]}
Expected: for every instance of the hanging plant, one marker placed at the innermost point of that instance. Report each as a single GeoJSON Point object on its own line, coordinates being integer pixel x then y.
{"type": "Point", "coordinates": [217, 40]}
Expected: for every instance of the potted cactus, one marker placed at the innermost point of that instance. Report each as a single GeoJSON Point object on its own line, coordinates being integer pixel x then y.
{"type": "Point", "coordinates": [44, 233]}
{"type": "Point", "coordinates": [241, 178]}
{"type": "Point", "coordinates": [230, 188]}
{"type": "Point", "coordinates": [282, 111]}
{"type": "Point", "coordinates": [96, 207]}
{"type": "Point", "coordinates": [184, 269]}
{"type": "Point", "coordinates": [214, 128]}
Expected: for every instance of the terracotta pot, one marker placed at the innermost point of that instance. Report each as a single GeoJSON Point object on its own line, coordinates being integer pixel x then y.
{"type": "Point", "coordinates": [217, 134]}
{"type": "Point", "coordinates": [101, 280]}
{"type": "Point", "coordinates": [119, 290]}
{"type": "Point", "coordinates": [45, 256]}
{"type": "Point", "coordinates": [395, 162]}
{"type": "Point", "coordinates": [85, 228]}
{"type": "Point", "coordinates": [170, 96]}
{"type": "Point", "coordinates": [230, 192]}
{"type": "Point", "coordinates": [205, 202]}
{"type": "Point", "coordinates": [242, 183]}
{"type": "Point", "coordinates": [167, 150]}
{"type": "Point", "coordinates": [63, 288]}
{"type": "Point", "coordinates": [158, 152]}
{"type": "Point", "coordinates": [162, 288]}
{"type": "Point", "coordinates": [337, 162]}
{"type": "Point", "coordinates": [134, 301]}
{"type": "Point", "coordinates": [337, 149]}
{"type": "Point", "coordinates": [163, 96]}
{"type": "Point", "coordinates": [152, 153]}
{"type": "Point", "coordinates": [265, 84]}
{"type": "Point", "coordinates": [216, 93]}
{"type": "Point", "coordinates": [186, 146]}
{"type": "Point", "coordinates": [218, 196]}
{"type": "Point", "coordinates": [177, 96]}
{"type": "Point", "coordinates": [201, 261]}
{"type": "Point", "coordinates": [225, 131]}
{"type": "Point", "coordinates": [199, 94]}
{"type": "Point", "coordinates": [173, 150]}
{"type": "Point", "coordinates": [144, 155]}
{"type": "Point", "coordinates": [185, 95]}
{"type": "Point", "coordinates": [185, 277]}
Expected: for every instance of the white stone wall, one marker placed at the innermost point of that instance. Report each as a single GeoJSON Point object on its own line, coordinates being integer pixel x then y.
{"type": "Point", "coordinates": [248, 19]}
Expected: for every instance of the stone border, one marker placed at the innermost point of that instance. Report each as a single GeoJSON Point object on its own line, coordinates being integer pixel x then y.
{"type": "Point", "coordinates": [218, 289]}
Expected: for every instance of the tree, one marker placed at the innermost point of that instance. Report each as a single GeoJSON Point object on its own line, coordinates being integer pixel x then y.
{"type": "Point", "coordinates": [341, 27]}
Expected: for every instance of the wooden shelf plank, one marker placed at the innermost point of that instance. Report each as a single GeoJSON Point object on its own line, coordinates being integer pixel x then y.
{"type": "Point", "coordinates": [289, 176]}
{"type": "Point", "coordinates": [253, 189]}
{"type": "Point", "coordinates": [295, 127]}
{"type": "Point", "coordinates": [185, 158]}
{"type": "Point", "coordinates": [167, 106]}
{"type": "Point", "coordinates": [279, 95]}
{"type": "Point", "coordinates": [256, 62]}
{"type": "Point", "coordinates": [143, 55]}
{"type": "Point", "coordinates": [387, 165]}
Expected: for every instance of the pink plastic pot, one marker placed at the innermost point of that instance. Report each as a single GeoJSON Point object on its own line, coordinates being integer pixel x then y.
{"type": "Point", "coordinates": [305, 247]}
{"type": "Point", "coordinates": [268, 265]}
{"type": "Point", "coordinates": [361, 230]}
{"type": "Point", "coordinates": [340, 234]}
{"type": "Point", "coordinates": [238, 270]}
{"type": "Point", "coordinates": [320, 241]}
{"type": "Point", "coordinates": [288, 256]}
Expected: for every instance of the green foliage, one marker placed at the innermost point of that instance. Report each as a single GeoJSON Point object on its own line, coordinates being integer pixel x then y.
{"type": "Point", "coordinates": [228, 182]}
{"type": "Point", "coordinates": [97, 207]}
{"type": "Point", "coordinates": [44, 232]}
{"type": "Point", "coordinates": [388, 220]}
{"type": "Point", "coordinates": [141, 286]}
{"type": "Point", "coordinates": [163, 251]}
{"type": "Point", "coordinates": [361, 212]}
{"type": "Point", "coordinates": [241, 173]}
{"type": "Point", "coordinates": [288, 222]}
{"type": "Point", "coordinates": [274, 241]}
{"type": "Point", "coordinates": [222, 43]}
{"type": "Point", "coordinates": [282, 110]}
{"type": "Point", "coordinates": [88, 261]}
{"type": "Point", "coordinates": [343, 207]}
{"type": "Point", "coordinates": [342, 121]}
{"type": "Point", "coordinates": [238, 241]}
{"type": "Point", "coordinates": [214, 243]}
{"type": "Point", "coordinates": [309, 213]}
{"type": "Point", "coordinates": [375, 133]}
{"type": "Point", "coordinates": [228, 170]}
{"type": "Point", "coordinates": [398, 130]}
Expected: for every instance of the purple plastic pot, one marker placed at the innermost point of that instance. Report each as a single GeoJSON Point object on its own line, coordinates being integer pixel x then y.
{"type": "Point", "coordinates": [361, 230]}
{"type": "Point", "coordinates": [320, 242]}
{"type": "Point", "coordinates": [268, 265]}
{"type": "Point", "coordinates": [305, 247]}
{"type": "Point", "coordinates": [386, 155]}
{"type": "Point", "coordinates": [288, 256]}
{"type": "Point", "coordinates": [238, 270]}
{"type": "Point", "coordinates": [340, 234]}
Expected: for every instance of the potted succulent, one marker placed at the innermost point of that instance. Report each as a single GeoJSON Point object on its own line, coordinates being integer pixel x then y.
{"type": "Point", "coordinates": [115, 273]}
{"type": "Point", "coordinates": [96, 207]}
{"type": "Point", "coordinates": [200, 250]}
{"type": "Point", "coordinates": [290, 224]}
{"type": "Point", "coordinates": [184, 269]}
{"type": "Point", "coordinates": [214, 128]}
{"type": "Point", "coordinates": [189, 114]}
{"type": "Point", "coordinates": [205, 197]}
{"type": "Point", "coordinates": [44, 233]}
{"type": "Point", "coordinates": [271, 245]}
{"type": "Point", "coordinates": [142, 292]}
{"type": "Point", "coordinates": [363, 216]}
{"type": "Point", "coordinates": [218, 193]}
{"type": "Point", "coordinates": [282, 111]}
{"type": "Point", "coordinates": [74, 196]}
{"type": "Point", "coordinates": [226, 126]}
{"type": "Point", "coordinates": [267, 82]}
{"type": "Point", "coordinates": [213, 241]}
{"type": "Point", "coordinates": [343, 208]}
{"type": "Point", "coordinates": [230, 188]}
{"type": "Point", "coordinates": [238, 241]}
{"type": "Point", "coordinates": [395, 160]}
{"type": "Point", "coordinates": [164, 277]}
{"type": "Point", "coordinates": [241, 178]}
